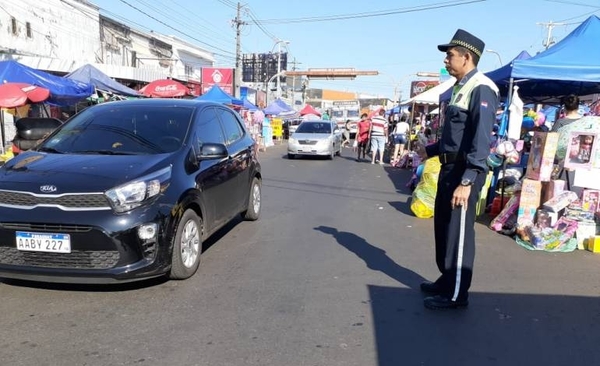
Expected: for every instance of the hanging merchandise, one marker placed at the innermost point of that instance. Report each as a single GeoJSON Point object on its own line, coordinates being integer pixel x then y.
{"type": "Point", "coordinates": [515, 119]}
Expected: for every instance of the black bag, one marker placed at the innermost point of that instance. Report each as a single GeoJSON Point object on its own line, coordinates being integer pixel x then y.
{"type": "Point", "coordinates": [30, 128]}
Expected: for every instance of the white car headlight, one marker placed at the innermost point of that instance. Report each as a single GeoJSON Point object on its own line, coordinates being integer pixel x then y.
{"type": "Point", "coordinates": [292, 140]}
{"type": "Point", "coordinates": [130, 195]}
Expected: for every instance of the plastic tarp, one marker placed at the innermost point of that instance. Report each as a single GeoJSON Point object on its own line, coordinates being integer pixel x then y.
{"type": "Point", "coordinates": [91, 75]}
{"type": "Point", "coordinates": [63, 91]}
{"type": "Point", "coordinates": [246, 104]}
{"type": "Point", "coordinates": [278, 107]}
{"type": "Point", "coordinates": [571, 66]}
{"type": "Point", "coordinates": [218, 95]}
{"type": "Point", "coordinates": [309, 109]}
{"type": "Point", "coordinates": [431, 96]}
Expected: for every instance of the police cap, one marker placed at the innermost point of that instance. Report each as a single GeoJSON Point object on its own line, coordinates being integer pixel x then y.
{"type": "Point", "coordinates": [464, 39]}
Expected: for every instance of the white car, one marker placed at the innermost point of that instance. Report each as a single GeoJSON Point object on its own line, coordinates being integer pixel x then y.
{"type": "Point", "coordinates": [320, 137]}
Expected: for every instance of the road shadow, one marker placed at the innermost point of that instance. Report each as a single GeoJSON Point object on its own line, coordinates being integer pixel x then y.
{"type": "Point", "coordinates": [403, 206]}
{"type": "Point", "coordinates": [401, 178]}
{"type": "Point", "coordinates": [496, 329]}
{"type": "Point", "coordinates": [375, 258]}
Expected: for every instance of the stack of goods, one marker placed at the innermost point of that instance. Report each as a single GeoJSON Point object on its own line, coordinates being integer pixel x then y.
{"type": "Point", "coordinates": [548, 216]}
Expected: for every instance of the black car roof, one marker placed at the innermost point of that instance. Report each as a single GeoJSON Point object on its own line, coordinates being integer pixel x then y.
{"type": "Point", "coordinates": [166, 102]}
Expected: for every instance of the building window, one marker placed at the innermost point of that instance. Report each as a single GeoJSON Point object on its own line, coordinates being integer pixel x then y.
{"type": "Point", "coordinates": [28, 28]}
{"type": "Point", "coordinates": [189, 71]}
{"type": "Point", "coordinates": [13, 24]}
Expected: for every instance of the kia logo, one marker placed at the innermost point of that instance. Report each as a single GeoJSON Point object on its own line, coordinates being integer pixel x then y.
{"type": "Point", "coordinates": [48, 188]}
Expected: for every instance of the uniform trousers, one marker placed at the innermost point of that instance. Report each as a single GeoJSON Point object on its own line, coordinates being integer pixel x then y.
{"type": "Point", "coordinates": [455, 233]}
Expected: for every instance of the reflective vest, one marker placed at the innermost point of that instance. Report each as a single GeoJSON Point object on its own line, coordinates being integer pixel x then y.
{"type": "Point", "coordinates": [461, 95]}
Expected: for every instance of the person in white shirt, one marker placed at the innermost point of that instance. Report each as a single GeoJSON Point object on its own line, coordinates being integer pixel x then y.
{"type": "Point", "coordinates": [400, 139]}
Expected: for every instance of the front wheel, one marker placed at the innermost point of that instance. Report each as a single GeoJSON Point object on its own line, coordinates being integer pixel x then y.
{"type": "Point", "coordinates": [252, 213]}
{"type": "Point", "coordinates": [187, 246]}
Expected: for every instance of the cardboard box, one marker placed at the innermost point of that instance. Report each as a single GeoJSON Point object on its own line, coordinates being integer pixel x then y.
{"type": "Point", "coordinates": [590, 200]}
{"type": "Point", "coordinates": [552, 189]}
{"type": "Point", "coordinates": [593, 244]}
{"type": "Point", "coordinates": [541, 156]}
{"type": "Point", "coordinates": [531, 196]}
{"type": "Point", "coordinates": [581, 150]}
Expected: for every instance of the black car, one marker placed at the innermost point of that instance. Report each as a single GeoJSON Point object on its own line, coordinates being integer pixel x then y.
{"type": "Point", "coordinates": [126, 190]}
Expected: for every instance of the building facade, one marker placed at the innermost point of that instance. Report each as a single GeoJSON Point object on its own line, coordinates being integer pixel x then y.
{"type": "Point", "coordinates": [60, 36]}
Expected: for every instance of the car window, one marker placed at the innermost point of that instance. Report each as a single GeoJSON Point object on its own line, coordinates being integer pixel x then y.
{"type": "Point", "coordinates": [123, 129]}
{"type": "Point", "coordinates": [231, 126]}
{"type": "Point", "coordinates": [208, 127]}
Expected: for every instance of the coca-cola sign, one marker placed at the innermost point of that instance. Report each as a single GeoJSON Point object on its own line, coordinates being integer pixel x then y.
{"type": "Point", "coordinates": [165, 88]}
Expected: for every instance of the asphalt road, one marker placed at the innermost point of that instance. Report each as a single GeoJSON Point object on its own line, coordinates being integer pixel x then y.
{"type": "Point", "coordinates": [329, 276]}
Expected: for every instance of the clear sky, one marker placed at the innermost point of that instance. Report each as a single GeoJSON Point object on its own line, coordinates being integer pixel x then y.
{"type": "Point", "coordinates": [398, 44]}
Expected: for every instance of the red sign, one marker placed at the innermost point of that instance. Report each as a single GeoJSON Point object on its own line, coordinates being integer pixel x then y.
{"type": "Point", "coordinates": [216, 75]}
{"type": "Point", "coordinates": [418, 87]}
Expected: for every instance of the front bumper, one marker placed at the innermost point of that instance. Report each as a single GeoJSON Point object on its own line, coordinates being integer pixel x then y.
{"type": "Point", "coordinates": [105, 247]}
{"type": "Point", "coordinates": [305, 149]}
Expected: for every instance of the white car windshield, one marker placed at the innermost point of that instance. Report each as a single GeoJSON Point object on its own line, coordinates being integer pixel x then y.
{"type": "Point", "coordinates": [314, 127]}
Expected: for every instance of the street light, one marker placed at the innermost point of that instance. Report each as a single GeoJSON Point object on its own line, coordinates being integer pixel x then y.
{"type": "Point", "coordinates": [278, 75]}
{"type": "Point", "coordinates": [497, 54]}
{"type": "Point", "coordinates": [278, 44]}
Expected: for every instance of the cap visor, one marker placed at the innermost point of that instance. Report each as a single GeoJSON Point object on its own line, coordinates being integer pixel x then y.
{"type": "Point", "coordinates": [445, 47]}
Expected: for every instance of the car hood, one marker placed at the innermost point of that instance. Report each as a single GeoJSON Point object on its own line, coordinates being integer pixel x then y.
{"type": "Point", "coordinates": [76, 173]}
{"type": "Point", "coordinates": [310, 136]}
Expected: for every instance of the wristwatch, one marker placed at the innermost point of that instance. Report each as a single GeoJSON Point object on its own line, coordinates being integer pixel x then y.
{"type": "Point", "coordinates": [466, 182]}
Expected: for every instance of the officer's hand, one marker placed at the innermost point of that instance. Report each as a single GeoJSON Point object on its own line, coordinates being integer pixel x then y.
{"type": "Point", "coordinates": [461, 196]}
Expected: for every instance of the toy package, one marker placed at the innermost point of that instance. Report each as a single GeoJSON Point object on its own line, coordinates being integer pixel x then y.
{"type": "Point", "coordinates": [561, 201]}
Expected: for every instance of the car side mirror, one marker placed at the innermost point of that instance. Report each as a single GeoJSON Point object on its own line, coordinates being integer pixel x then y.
{"type": "Point", "coordinates": [210, 150]}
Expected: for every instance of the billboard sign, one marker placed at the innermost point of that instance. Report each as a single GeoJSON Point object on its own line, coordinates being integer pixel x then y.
{"type": "Point", "coordinates": [223, 77]}
{"type": "Point", "coordinates": [418, 87]}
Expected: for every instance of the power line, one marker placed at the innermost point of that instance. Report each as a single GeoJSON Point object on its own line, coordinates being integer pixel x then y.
{"type": "Point", "coordinates": [379, 13]}
{"type": "Point", "coordinates": [227, 53]}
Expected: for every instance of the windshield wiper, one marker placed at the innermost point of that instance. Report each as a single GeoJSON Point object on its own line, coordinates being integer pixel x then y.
{"type": "Point", "coordinates": [103, 152]}
{"type": "Point", "coordinates": [50, 150]}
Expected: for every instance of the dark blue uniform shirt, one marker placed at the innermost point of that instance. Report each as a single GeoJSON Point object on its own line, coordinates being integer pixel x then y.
{"type": "Point", "coordinates": [469, 132]}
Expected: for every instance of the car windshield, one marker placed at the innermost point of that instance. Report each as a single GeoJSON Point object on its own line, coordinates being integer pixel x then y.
{"type": "Point", "coordinates": [352, 113]}
{"type": "Point", "coordinates": [314, 127]}
{"type": "Point", "coordinates": [337, 114]}
{"type": "Point", "coordinates": [126, 129]}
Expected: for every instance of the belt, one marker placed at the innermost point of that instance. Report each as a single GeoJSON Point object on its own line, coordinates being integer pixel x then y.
{"type": "Point", "coordinates": [450, 158]}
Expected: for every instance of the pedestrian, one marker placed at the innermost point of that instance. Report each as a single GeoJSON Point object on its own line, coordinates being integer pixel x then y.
{"type": "Point", "coordinates": [362, 136]}
{"type": "Point", "coordinates": [462, 149]}
{"type": "Point", "coordinates": [378, 134]}
{"type": "Point", "coordinates": [346, 133]}
{"type": "Point", "coordinates": [571, 105]}
{"type": "Point", "coordinates": [400, 139]}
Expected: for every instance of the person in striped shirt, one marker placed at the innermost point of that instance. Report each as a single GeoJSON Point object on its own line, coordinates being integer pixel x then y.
{"type": "Point", "coordinates": [378, 135]}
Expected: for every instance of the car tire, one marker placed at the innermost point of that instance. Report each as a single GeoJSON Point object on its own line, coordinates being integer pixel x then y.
{"type": "Point", "coordinates": [332, 154]}
{"type": "Point", "coordinates": [252, 213]}
{"type": "Point", "coordinates": [291, 156]}
{"type": "Point", "coordinates": [187, 246]}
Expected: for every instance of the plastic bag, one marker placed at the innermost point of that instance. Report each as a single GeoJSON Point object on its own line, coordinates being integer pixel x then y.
{"type": "Point", "coordinates": [423, 198]}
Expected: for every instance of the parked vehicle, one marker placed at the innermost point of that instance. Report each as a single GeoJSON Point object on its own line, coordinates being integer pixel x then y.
{"type": "Point", "coordinates": [126, 190]}
{"type": "Point", "coordinates": [316, 138]}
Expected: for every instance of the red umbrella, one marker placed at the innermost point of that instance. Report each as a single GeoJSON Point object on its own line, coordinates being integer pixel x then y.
{"type": "Point", "coordinates": [165, 88]}
{"type": "Point", "coordinates": [18, 94]}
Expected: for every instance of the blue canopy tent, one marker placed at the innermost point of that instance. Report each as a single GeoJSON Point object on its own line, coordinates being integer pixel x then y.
{"type": "Point", "coordinates": [63, 92]}
{"type": "Point", "coordinates": [246, 104]}
{"type": "Point", "coordinates": [216, 94]}
{"type": "Point", "coordinates": [570, 66]}
{"type": "Point", "coordinates": [91, 75]}
{"type": "Point", "coordinates": [278, 107]}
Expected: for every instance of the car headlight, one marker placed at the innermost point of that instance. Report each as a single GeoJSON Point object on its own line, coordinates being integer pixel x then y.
{"type": "Point", "coordinates": [292, 140]}
{"type": "Point", "coordinates": [133, 194]}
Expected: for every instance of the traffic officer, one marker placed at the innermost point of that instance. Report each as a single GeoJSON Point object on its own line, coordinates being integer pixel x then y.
{"type": "Point", "coordinates": [463, 150]}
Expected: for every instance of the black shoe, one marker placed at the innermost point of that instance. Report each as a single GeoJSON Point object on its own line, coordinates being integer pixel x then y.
{"type": "Point", "coordinates": [431, 288]}
{"type": "Point", "coordinates": [440, 303]}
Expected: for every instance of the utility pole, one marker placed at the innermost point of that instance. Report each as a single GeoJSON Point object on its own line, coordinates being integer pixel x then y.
{"type": "Point", "coordinates": [294, 63]}
{"type": "Point", "coordinates": [238, 23]}
{"type": "Point", "coordinates": [550, 25]}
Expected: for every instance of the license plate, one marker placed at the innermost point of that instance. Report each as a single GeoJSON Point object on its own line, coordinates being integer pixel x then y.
{"type": "Point", "coordinates": [43, 242]}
